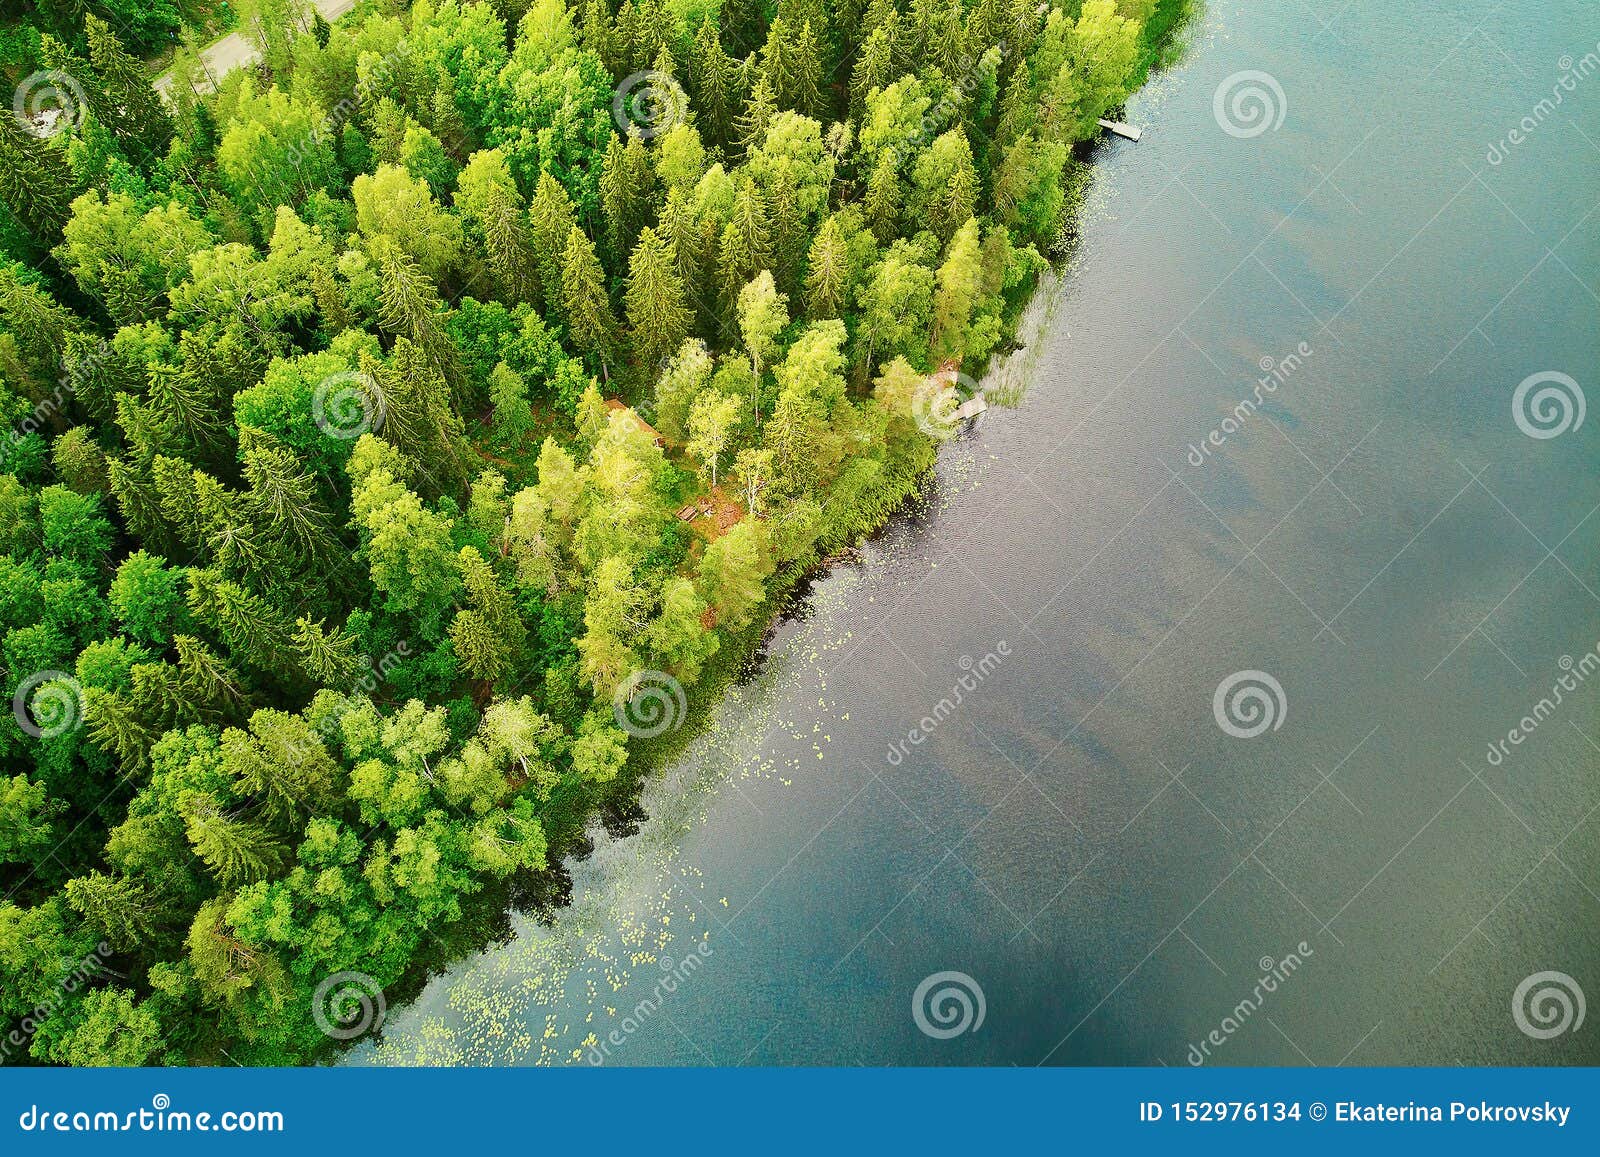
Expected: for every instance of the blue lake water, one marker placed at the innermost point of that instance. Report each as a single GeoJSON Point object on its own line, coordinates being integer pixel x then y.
{"type": "Point", "coordinates": [1079, 836]}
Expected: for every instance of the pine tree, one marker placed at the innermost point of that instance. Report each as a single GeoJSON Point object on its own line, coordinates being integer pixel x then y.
{"type": "Point", "coordinates": [751, 127]}
{"type": "Point", "coordinates": [790, 66]}
{"type": "Point", "coordinates": [139, 503]}
{"type": "Point", "coordinates": [957, 203]}
{"type": "Point", "coordinates": [282, 762]}
{"type": "Point", "coordinates": [236, 850]}
{"type": "Point", "coordinates": [587, 308]}
{"type": "Point", "coordinates": [828, 280]}
{"type": "Point", "coordinates": [79, 462]}
{"type": "Point", "coordinates": [595, 34]}
{"type": "Point", "coordinates": [122, 910]}
{"type": "Point", "coordinates": [712, 82]}
{"type": "Point", "coordinates": [657, 318]}
{"type": "Point", "coordinates": [132, 109]}
{"type": "Point", "coordinates": [950, 44]}
{"type": "Point", "coordinates": [417, 416]}
{"type": "Point", "coordinates": [487, 196]}
{"type": "Point", "coordinates": [188, 405]}
{"type": "Point", "coordinates": [40, 324]}
{"type": "Point", "coordinates": [255, 633]}
{"type": "Point", "coordinates": [874, 68]}
{"type": "Point", "coordinates": [36, 183]}
{"type": "Point", "coordinates": [116, 729]}
{"type": "Point", "coordinates": [746, 246]}
{"type": "Point", "coordinates": [626, 193]}
{"type": "Point", "coordinates": [283, 497]}
{"type": "Point", "coordinates": [208, 679]}
{"type": "Point", "coordinates": [553, 218]}
{"type": "Point", "coordinates": [882, 203]}
{"type": "Point", "coordinates": [411, 306]}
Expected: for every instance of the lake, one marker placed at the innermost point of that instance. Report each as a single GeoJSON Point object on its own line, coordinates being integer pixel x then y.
{"type": "Point", "coordinates": [1196, 715]}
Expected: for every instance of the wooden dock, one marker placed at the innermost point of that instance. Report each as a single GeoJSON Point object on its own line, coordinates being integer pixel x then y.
{"type": "Point", "coordinates": [1121, 129]}
{"type": "Point", "coordinates": [971, 408]}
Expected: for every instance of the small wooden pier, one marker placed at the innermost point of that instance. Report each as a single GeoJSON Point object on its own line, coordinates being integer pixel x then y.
{"type": "Point", "coordinates": [1121, 129]}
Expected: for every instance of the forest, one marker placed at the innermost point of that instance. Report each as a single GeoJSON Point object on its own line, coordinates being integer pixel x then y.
{"type": "Point", "coordinates": [408, 431]}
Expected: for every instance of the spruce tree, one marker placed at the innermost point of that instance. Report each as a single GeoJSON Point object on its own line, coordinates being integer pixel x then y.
{"type": "Point", "coordinates": [585, 303]}
{"type": "Point", "coordinates": [874, 69]}
{"type": "Point", "coordinates": [751, 127]}
{"type": "Point", "coordinates": [132, 108]}
{"type": "Point", "coordinates": [712, 82]}
{"type": "Point", "coordinates": [882, 203]}
{"type": "Point", "coordinates": [828, 278]}
{"type": "Point", "coordinates": [553, 217]}
{"type": "Point", "coordinates": [36, 183]}
{"type": "Point", "coordinates": [658, 320]}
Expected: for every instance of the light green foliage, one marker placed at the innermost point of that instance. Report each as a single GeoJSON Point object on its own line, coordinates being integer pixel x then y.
{"type": "Point", "coordinates": [332, 504]}
{"type": "Point", "coordinates": [393, 203]}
